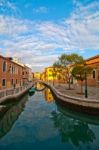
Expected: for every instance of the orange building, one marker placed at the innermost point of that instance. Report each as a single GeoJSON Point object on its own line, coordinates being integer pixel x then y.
{"type": "Point", "coordinates": [93, 79]}
{"type": "Point", "coordinates": [12, 74]}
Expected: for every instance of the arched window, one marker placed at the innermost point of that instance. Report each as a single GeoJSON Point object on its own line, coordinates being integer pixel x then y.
{"type": "Point", "coordinates": [4, 66]}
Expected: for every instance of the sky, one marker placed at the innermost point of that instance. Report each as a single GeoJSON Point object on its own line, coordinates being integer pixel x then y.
{"type": "Point", "coordinates": [39, 31]}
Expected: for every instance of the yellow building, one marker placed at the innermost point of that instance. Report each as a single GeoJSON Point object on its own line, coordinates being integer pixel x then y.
{"type": "Point", "coordinates": [53, 75]}
{"type": "Point", "coordinates": [37, 75]}
{"type": "Point", "coordinates": [43, 76]}
{"type": "Point", "coordinates": [50, 74]}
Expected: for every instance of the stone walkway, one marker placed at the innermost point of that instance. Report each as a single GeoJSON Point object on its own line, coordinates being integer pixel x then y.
{"type": "Point", "coordinates": [93, 92]}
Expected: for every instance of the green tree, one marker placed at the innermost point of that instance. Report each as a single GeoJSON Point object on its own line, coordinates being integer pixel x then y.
{"type": "Point", "coordinates": [78, 73]}
{"type": "Point", "coordinates": [66, 63]}
{"type": "Point", "coordinates": [57, 70]}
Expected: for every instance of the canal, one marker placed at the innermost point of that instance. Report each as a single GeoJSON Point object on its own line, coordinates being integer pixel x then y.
{"type": "Point", "coordinates": [37, 122]}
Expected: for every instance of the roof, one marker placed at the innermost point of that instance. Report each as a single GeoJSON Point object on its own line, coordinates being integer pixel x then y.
{"type": "Point", "coordinates": [10, 60]}
{"type": "Point", "coordinates": [91, 58]}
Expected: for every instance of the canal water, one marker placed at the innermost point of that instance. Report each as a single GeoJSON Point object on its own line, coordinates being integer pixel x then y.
{"type": "Point", "coordinates": [37, 122]}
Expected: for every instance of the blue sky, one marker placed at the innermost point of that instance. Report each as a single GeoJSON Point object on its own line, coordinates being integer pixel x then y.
{"type": "Point", "coordinates": [39, 31]}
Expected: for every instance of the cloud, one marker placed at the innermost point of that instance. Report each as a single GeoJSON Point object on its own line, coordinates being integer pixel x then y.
{"type": "Point", "coordinates": [40, 43]}
{"type": "Point", "coordinates": [11, 26]}
{"type": "Point", "coordinates": [8, 7]}
{"type": "Point", "coordinates": [40, 9]}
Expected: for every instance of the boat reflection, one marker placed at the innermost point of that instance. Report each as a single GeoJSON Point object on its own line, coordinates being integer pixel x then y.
{"type": "Point", "coordinates": [11, 115]}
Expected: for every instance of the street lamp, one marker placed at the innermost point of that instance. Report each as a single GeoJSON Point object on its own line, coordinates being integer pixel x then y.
{"type": "Point", "coordinates": [86, 92]}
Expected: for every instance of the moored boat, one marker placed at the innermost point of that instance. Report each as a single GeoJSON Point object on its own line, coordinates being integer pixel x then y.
{"type": "Point", "coordinates": [32, 90]}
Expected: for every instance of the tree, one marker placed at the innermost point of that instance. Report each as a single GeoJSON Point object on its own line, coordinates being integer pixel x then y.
{"type": "Point", "coordinates": [54, 74]}
{"type": "Point", "coordinates": [66, 63]}
{"type": "Point", "coordinates": [57, 70]}
{"type": "Point", "coordinates": [78, 73]}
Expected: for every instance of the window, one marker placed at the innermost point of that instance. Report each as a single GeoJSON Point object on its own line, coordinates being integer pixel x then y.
{"type": "Point", "coordinates": [4, 66]}
{"type": "Point", "coordinates": [94, 74]}
{"type": "Point", "coordinates": [98, 77]}
{"type": "Point", "coordinates": [3, 82]}
{"type": "Point", "coordinates": [16, 81]}
{"type": "Point", "coordinates": [12, 69]}
{"type": "Point", "coordinates": [12, 81]}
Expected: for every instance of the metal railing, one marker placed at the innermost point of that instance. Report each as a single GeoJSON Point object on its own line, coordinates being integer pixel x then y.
{"type": "Point", "coordinates": [8, 92]}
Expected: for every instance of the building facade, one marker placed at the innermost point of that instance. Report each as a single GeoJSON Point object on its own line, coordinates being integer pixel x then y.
{"type": "Point", "coordinates": [37, 75]}
{"type": "Point", "coordinates": [13, 74]}
{"type": "Point", "coordinates": [10, 73]}
{"type": "Point", "coordinates": [93, 78]}
{"type": "Point", "coordinates": [54, 75]}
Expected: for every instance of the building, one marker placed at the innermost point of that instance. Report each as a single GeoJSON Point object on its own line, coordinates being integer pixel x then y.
{"type": "Point", "coordinates": [27, 75]}
{"type": "Point", "coordinates": [37, 75]}
{"type": "Point", "coordinates": [27, 71]}
{"type": "Point", "coordinates": [10, 73]}
{"type": "Point", "coordinates": [93, 78]}
{"type": "Point", "coordinates": [13, 74]}
{"type": "Point", "coordinates": [54, 75]}
{"type": "Point", "coordinates": [43, 76]}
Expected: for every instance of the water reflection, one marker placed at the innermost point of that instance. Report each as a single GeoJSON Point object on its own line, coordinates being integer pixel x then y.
{"type": "Point", "coordinates": [11, 115]}
{"type": "Point", "coordinates": [73, 127]}
{"type": "Point", "coordinates": [72, 130]}
{"type": "Point", "coordinates": [39, 87]}
{"type": "Point", "coordinates": [48, 95]}
{"type": "Point", "coordinates": [46, 124]}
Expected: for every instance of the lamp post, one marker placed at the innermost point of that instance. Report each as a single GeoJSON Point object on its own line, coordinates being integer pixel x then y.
{"type": "Point", "coordinates": [86, 92]}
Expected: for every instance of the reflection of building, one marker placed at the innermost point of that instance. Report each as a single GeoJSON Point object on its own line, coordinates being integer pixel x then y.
{"type": "Point", "coordinates": [48, 95]}
{"type": "Point", "coordinates": [10, 116]}
{"type": "Point", "coordinates": [93, 62]}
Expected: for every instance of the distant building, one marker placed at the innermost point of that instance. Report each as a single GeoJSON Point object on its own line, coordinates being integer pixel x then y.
{"type": "Point", "coordinates": [53, 75]}
{"type": "Point", "coordinates": [43, 76]}
{"type": "Point", "coordinates": [37, 75]}
{"type": "Point", "coordinates": [27, 75]}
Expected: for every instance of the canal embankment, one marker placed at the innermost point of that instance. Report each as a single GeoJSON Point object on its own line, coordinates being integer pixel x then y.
{"type": "Point", "coordinates": [86, 105]}
{"type": "Point", "coordinates": [13, 94]}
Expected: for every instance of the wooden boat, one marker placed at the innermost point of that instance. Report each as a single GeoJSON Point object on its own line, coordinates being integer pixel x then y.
{"type": "Point", "coordinates": [32, 90]}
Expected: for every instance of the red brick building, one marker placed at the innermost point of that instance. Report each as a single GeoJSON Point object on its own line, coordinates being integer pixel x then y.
{"type": "Point", "coordinates": [12, 74]}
